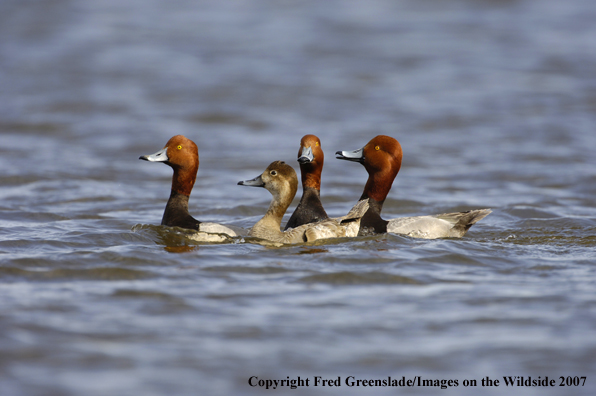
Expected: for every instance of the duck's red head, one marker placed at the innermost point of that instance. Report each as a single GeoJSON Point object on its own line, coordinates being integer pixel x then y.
{"type": "Point", "coordinates": [381, 158]}
{"type": "Point", "coordinates": [182, 155]}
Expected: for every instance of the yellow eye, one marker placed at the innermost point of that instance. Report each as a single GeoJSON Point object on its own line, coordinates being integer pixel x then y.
{"type": "Point", "coordinates": [179, 147]}
{"type": "Point", "coordinates": [317, 144]}
{"type": "Point", "coordinates": [377, 148]}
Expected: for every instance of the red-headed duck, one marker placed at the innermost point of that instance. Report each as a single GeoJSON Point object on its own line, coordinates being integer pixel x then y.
{"type": "Point", "coordinates": [281, 181]}
{"type": "Point", "coordinates": [182, 155]}
{"type": "Point", "coordinates": [381, 158]}
{"type": "Point", "coordinates": [311, 159]}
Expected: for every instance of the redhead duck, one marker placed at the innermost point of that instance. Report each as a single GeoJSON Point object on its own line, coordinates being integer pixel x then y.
{"type": "Point", "coordinates": [281, 181]}
{"type": "Point", "coordinates": [311, 159]}
{"type": "Point", "coordinates": [381, 158]}
{"type": "Point", "coordinates": [182, 155]}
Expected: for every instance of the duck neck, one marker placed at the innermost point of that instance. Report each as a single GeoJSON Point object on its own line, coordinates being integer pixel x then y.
{"type": "Point", "coordinates": [309, 210]}
{"type": "Point", "coordinates": [184, 179]}
{"type": "Point", "coordinates": [271, 222]}
{"type": "Point", "coordinates": [176, 213]}
{"type": "Point", "coordinates": [377, 187]}
{"type": "Point", "coordinates": [311, 176]}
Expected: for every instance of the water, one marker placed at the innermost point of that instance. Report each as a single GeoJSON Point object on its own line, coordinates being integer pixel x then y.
{"type": "Point", "coordinates": [494, 103]}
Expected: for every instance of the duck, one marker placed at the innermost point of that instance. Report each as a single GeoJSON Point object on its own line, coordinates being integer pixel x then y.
{"type": "Point", "coordinates": [311, 159]}
{"type": "Point", "coordinates": [381, 157]}
{"type": "Point", "coordinates": [182, 155]}
{"type": "Point", "coordinates": [281, 181]}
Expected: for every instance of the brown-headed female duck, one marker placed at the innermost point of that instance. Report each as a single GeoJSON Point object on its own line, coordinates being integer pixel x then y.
{"type": "Point", "coordinates": [182, 155]}
{"type": "Point", "coordinates": [281, 181]}
{"type": "Point", "coordinates": [311, 159]}
{"type": "Point", "coordinates": [381, 158]}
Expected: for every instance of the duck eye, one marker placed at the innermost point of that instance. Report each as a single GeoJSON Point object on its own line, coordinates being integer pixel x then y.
{"type": "Point", "coordinates": [179, 147]}
{"type": "Point", "coordinates": [317, 144]}
{"type": "Point", "coordinates": [377, 148]}
{"type": "Point", "coordinates": [273, 173]}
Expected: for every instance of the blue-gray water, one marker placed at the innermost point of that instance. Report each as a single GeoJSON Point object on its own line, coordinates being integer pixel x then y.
{"type": "Point", "coordinates": [494, 103]}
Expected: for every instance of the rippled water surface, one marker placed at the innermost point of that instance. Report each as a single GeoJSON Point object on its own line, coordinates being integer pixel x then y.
{"type": "Point", "coordinates": [494, 103]}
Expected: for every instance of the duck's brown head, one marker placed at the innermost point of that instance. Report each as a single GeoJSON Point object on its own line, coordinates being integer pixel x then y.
{"type": "Point", "coordinates": [279, 179]}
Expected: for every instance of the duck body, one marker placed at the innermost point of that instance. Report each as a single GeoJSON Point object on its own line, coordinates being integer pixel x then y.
{"type": "Point", "coordinates": [182, 155]}
{"type": "Point", "coordinates": [382, 158]}
{"type": "Point", "coordinates": [445, 225]}
{"type": "Point", "coordinates": [281, 181]}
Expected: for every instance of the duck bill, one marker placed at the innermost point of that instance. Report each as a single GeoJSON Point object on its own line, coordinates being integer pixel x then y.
{"type": "Point", "coordinates": [306, 156]}
{"type": "Point", "coordinates": [160, 156]}
{"type": "Point", "coordinates": [355, 156]}
{"type": "Point", "coordinates": [256, 182]}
